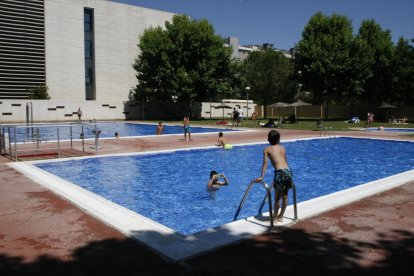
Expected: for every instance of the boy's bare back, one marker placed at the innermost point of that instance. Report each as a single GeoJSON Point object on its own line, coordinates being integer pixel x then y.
{"type": "Point", "coordinates": [277, 156]}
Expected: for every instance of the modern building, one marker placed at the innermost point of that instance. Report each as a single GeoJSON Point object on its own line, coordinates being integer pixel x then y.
{"type": "Point", "coordinates": [242, 52]}
{"type": "Point", "coordinates": [82, 50]}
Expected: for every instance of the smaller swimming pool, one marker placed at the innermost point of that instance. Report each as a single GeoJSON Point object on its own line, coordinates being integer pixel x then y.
{"type": "Point", "coordinates": [390, 129]}
{"type": "Point", "coordinates": [107, 130]}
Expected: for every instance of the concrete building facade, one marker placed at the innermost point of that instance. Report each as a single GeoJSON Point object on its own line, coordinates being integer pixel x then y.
{"type": "Point", "coordinates": [80, 49]}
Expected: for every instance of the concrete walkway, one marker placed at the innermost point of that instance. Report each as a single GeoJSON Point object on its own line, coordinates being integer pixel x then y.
{"type": "Point", "coordinates": [43, 234]}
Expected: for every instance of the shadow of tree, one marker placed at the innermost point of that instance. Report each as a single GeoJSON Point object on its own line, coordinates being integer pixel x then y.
{"type": "Point", "coordinates": [296, 252]}
{"type": "Point", "coordinates": [282, 252]}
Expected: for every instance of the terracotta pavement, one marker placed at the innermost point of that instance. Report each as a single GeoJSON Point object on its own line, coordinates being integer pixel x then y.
{"type": "Point", "coordinates": [43, 234]}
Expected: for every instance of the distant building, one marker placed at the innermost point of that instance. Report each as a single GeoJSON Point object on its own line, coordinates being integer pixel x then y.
{"type": "Point", "coordinates": [241, 52]}
{"type": "Point", "coordinates": [81, 49]}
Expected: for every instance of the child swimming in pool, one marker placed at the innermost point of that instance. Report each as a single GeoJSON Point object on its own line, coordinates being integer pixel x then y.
{"type": "Point", "coordinates": [214, 182]}
{"type": "Point", "coordinates": [221, 142]}
{"type": "Point", "coordinates": [282, 180]}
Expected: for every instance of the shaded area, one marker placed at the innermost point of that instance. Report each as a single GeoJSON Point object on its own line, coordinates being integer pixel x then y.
{"type": "Point", "coordinates": [282, 252]}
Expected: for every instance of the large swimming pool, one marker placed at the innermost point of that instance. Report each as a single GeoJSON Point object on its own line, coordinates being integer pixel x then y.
{"type": "Point", "coordinates": [170, 187]}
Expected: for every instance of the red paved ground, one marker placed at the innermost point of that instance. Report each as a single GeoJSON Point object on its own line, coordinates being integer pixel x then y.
{"type": "Point", "coordinates": [43, 234]}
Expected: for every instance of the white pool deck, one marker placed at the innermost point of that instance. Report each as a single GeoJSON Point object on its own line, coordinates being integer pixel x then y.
{"type": "Point", "coordinates": [176, 246]}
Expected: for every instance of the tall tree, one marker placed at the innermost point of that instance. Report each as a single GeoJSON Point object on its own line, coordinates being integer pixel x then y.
{"type": "Point", "coordinates": [403, 77]}
{"type": "Point", "coordinates": [270, 75]}
{"type": "Point", "coordinates": [377, 88]}
{"type": "Point", "coordinates": [186, 61]}
{"type": "Point", "coordinates": [331, 62]}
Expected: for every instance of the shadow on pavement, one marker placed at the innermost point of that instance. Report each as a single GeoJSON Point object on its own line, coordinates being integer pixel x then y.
{"type": "Point", "coordinates": [283, 252]}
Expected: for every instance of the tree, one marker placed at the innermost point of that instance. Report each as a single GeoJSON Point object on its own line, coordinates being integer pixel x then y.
{"type": "Point", "coordinates": [39, 93]}
{"type": "Point", "coordinates": [403, 77]}
{"type": "Point", "coordinates": [332, 63]}
{"type": "Point", "coordinates": [271, 77]}
{"type": "Point", "coordinates": [184, 62]}
{"type": "Point", "coordinates": [378, 86]}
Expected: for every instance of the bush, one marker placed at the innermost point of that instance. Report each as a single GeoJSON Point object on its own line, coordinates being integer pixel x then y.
{"type": "Point", "coordinates": [39, 93]}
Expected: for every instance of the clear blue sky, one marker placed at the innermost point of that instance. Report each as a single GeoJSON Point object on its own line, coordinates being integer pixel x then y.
{"type": "Point", "coordinates": [281, 22]}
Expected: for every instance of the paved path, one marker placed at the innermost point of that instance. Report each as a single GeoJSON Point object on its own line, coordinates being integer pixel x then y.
{"type": "Point", "coordinates": [43, 234]}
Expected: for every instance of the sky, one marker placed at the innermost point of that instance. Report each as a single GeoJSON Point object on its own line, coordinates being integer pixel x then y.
{"type": "Point", "coordinates": [281, 23]}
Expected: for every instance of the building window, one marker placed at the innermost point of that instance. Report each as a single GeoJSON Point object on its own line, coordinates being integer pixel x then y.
{"type": "Point", "coordinates": [89, 55]}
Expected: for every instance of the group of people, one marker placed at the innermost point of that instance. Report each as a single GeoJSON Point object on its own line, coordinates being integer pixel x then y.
{"type": "Point", "coordinates": [282, 178]}
{"type": "Point", "coordinates": [237, 116]}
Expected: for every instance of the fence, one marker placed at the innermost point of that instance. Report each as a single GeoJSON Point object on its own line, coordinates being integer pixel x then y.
{"type": "Point", "coordinates": [30, 140]}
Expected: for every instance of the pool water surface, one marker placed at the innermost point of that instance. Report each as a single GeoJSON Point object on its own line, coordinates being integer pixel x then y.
{"type": "Point", "coordinates": [170, 187]}
{"type": "Point", "coordinates": [107, 130]}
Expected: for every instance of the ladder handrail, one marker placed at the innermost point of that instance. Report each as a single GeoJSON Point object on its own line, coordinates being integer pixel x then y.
{"type": "Point", "coordinates": [328, 131]}
{"type": "Point", "coordinates": [295, 207]}
{"type": "Point", "coordinates": [268, 194]}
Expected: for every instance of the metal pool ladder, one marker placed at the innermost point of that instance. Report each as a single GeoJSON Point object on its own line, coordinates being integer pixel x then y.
{"type": "Point", "coordinates": [328, 131]}
{"type": "Point", "coordinates": [268, 197]}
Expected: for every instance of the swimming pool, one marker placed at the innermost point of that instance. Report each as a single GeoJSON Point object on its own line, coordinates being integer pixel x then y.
{"type": "Point", "coordinates": [358, 161]}
{"type": "Point", "coordinates": [390, 129]}
{"type": "Point", "coordinates": [107, 129]}
{"type": "Point", "coordinates": [170, 187]}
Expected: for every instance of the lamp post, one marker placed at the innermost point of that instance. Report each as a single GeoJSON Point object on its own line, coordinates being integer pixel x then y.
{"type": "Point", "coordinates": [247, 102]}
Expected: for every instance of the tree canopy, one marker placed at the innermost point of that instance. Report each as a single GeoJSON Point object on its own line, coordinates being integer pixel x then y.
{"type": "Point", "coordinates": [184, 61]}
{"type": "Point", "coordinates": [339, 67]}
{"type": "Point", "coordinates": [332, 63]}
{"type": "Point", "coordinates": [271, 77]}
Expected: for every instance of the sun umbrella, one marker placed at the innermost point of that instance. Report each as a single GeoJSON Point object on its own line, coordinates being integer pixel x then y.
{"type": "Point", "coordinates": [297, 104]}
{"type": "Point", "coordinates": [222, 106]}
{"type": "Point", "coordinates": [386, 106]}
{"type": "Point", "coordinates": [278, 105]}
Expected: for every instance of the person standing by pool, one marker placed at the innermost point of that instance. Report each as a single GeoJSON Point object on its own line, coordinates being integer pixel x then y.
{"type": "Point", "coordinates": [221, 142]}
{"type": "Point", "coordinates": [186, 124]}
{"type": "Point", "coordinates": [370, 118]}
{"type": "Point", "coordinates": [160, 129]}
{"type": "Point", "coordinates": [79, 112]}
{"type": "Point", "coordinates": [282, 180]}
{"type": "Point", "coordinates": [240, 116]}
{"type": "Point", "coordinates": [235, 116]}
{"type": "Point", "coordinates": [214, 182]}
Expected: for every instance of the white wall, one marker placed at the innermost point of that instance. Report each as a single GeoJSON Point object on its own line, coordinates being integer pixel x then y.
{"type": "Point", "coordinates": [14, 111]}
{"type": "Point", "coordinates": [209, 108]}
{"type": "Point", "coordinates": [117, 30]}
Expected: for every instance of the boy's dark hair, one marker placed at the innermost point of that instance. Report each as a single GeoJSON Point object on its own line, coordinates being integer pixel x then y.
{"type": "Point", "coordinates": [273, 137]}
{"type": "Point", "coordinates": [213, 173]}
{"type": "Point", "coordinates": [220, 134]}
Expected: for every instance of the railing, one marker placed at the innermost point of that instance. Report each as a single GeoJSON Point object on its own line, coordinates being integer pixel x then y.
{"type": "Point", "coordinates": [268, 194]}
{"type": "Point", "coordinates": [27, 140]}
{"type": "Point", "coordinates": [267, 197]}
{"type": "Point", "coordinates": [295, 207]}
{"type": "Point", "coordinates": [327, 131]}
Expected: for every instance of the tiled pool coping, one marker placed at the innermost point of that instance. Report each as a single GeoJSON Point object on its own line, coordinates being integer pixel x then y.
{"type": "Point", "coordinates": [176, 246]}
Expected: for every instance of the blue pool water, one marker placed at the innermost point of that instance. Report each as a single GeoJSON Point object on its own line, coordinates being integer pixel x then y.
{"type": "Point", "coordinates": [108, 129]}
{"type": "Point", "coordinates": [170, 188]}
{"type": "Point", "coordinates": [392, 129]}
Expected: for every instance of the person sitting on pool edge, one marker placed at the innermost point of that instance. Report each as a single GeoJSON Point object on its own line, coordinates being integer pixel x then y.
{"type": "Point", "coordinates": [221, 142]}
{"type": "Point", "coordinates": [282, 179]}
{"type": "Point", "coordinates": [214, 182]}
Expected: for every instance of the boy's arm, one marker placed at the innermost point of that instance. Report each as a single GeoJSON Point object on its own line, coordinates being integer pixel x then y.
{"type": "Point", "coordinates": [225, 180]}
{"type": "Point", "coordinates": [264, 166]}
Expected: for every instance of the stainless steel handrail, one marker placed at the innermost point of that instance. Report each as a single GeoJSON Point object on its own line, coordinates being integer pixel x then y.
{"type": "Point", "coordinates": [295, 206]}
{"type": "Point", "coordinates": [268, 194]}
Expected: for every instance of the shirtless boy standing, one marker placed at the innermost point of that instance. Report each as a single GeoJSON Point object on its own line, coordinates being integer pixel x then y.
{"type": "Point", "coordinates": [186, 124]}
{"type": "Point", "coordinates": [282, 179]}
